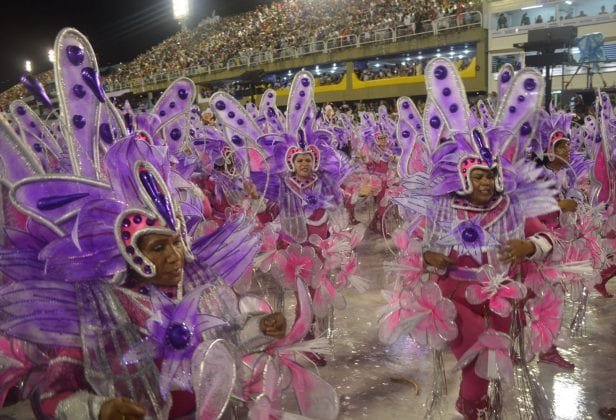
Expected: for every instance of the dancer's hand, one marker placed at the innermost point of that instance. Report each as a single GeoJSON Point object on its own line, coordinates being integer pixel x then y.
{"type": "Point", "coordinates": [515, 250]}
{"type": "Point", "coordinates": [365, 190]}
{"type": "Point", "coordinates": [251, 190]}
{"type": "Point", "coordinates": [568, 205]}
{"type": "Point", "coordinates": [274, 325]}
{"type": "Point", "coordinates": [436, 259]}
{"type": "Point", "coordinates": [121, 408]}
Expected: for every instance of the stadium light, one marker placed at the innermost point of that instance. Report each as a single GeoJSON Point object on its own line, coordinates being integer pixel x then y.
{"type": "Point", "coordinates": [537, 6]}
{"type": "Point", "coordinates": [28, 66]}
{"type": "Point", "coordinates": [180, 9]}
{"type": "Point", "coordinates": [51, 55]}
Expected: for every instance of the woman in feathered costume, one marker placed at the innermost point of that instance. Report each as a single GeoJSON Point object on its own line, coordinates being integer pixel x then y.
{"type": "Point", "coordinates": [304, 184]}
{"type": "Point", "coordinates": [380, 152]}
{"type": "Point", "coordinates": [480, 200]}
{"type": "Point", "coordinates": [119, 220]}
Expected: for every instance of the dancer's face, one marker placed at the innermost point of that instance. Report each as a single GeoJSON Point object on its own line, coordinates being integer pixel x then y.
{"type": "Point", "coordinates": [562, 150]}
{"type": "Point", "coordinates": [303, 165]}
{"type": "Point", "coordinates": [484, 186]}
{"type": "Point", "coordinates": [167, 253]}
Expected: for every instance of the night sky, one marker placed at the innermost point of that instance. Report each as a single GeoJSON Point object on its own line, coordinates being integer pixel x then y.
{"type": "Point", "coordinates": [118, 29]}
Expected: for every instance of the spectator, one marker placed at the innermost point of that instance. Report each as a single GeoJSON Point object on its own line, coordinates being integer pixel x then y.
{"type": "Point", "coordinates": [525, 20]}
{"type": "Point", "coordinates": [603, 11]}
{"type": "Point", "coordinates": [538, 19]}
{"type": "Point", "coordinates": [502, 21]}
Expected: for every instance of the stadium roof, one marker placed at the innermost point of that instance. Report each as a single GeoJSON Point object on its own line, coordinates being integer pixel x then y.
{"type": "Point", "coordinates": [118, 29]}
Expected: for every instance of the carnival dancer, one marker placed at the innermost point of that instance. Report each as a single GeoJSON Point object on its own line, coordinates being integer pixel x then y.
{"type": "Point", "coordinates": [225, 178]}
{"type": "Point", "coordinates": [601, 140]}
{"type": "Point", "coordinates": [304, 183]}
{"type": "Point", "coordinates": [380, 150]}
{"type": "Point", "coordinates": [574, 223]}
{"type": "Point", "coordinates": [479, 200]}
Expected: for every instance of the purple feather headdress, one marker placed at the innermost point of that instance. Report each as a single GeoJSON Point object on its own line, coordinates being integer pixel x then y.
{"type": "Point", "coordinates": [459, 143]}
{"type": "Point", "coordinates": [285, 137]}
{"type": "Point", "coordinates": [552, 127]}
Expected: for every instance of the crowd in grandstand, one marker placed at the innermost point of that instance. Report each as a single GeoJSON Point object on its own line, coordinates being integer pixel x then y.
{"type": "Point", "coordinates": [281, 29]}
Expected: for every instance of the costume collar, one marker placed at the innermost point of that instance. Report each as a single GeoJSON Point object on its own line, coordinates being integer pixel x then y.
{"type": "Point", "coordinates": [462, 203]}
{"type": "Point", "coordinates": [300, 183]}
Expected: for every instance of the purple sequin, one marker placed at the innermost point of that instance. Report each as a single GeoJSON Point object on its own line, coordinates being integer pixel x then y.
{"type": "Point", "coordinates": [175, 134]}
{"type": "Point", "coordinates": [470, 235]}
{"type": "Point", "coordinates": [305, 82]}
{"type": "Point", "coordinates": [302, 93]}
{"type": "Point", "coordinates": [446, 91]}
{"type": "Point", "coordinates": [405, 105]}
{"type": "Point", "coordinates": [435, 122]}
{"type": "Point", "coordinates": [56, 201]}
{"type": "Point", "coordinates": [126, 222]}
{"type": "Point", "coordinates": [240, 121]}
{"type": "Point", "coordinates": [405, 134]}
{"type": "Point", "coordinates": [521, 98]}
{"type": "Point", "coordinates": [298, 106]}
{"type": "Point", "coordinates": [525, 129]}
{"type": "Point", "coordinates": [453, 108]}
{"type": "Point", "coordinates": [93, 81]}
{"type": "Point", "coordinates": [183, 94]}
{"type": "Point", "coordinates": [231, 114]}
{"type": "Point", "coordinates": [126, 235]}
{"type": "Point", "coordinates": [105, 132]}
{"type": "Point", "coordinates": [530, 84]}
{"type": "Point", "coordinates": [220, 105]}
{"type": "Point", "coordinates": [505, 77]}
{"type": "Point", "coordinates": [37, 147]}
{"type": "Point", "coordinates": [512, 109]}
{"type": "Point", "coordinates": [237, 140]}
{"type": "Point", "coordinates": [79, 121]}
{"type": "Point", "coordinates": [75, 55]}
{"type": "Point", "coordinates": [178, 335]}
{"type": "Point", "coordinates": [79, 91]}
{"type": "Point", "coordinates": [440, 72]}
{"type": "Point", "coordinates": [21, 110]}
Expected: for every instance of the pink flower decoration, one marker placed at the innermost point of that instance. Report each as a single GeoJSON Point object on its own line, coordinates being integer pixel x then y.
{"type": "Point", "coordinates": [325, 296]}
{"type": "Point", "coordinates": [395, 317]}
{"type": "Point", "coordinates": [497, 289]}
{"type": "Point", "coordinates": [269, 250]}
{"type": "Point", "coordinates": [545, 314]}
{"type": "Point", "coordinates": [492, 353]}
{"type": "Point", "coordinates": [347, 276]}
{"type": "Point", "coordinates": [296, 262]}
{"type": "Point", "coordinates": [434, 317]}
{"type": "Point", "coordinates": [276, 370]}
{"type": "Point", "coordinates": [540, 276]}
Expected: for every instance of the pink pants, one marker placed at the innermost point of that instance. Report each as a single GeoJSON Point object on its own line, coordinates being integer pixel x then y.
{"type": "Point", "coordinates": [472, 320]}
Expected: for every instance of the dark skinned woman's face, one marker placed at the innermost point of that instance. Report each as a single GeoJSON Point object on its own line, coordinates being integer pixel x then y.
{"type": "Point", "coordinates": [484, 186]}
{"type": "Point", "coordinates": [167, 253]}
{"type": "Point", "coordinates": [562, 150]}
